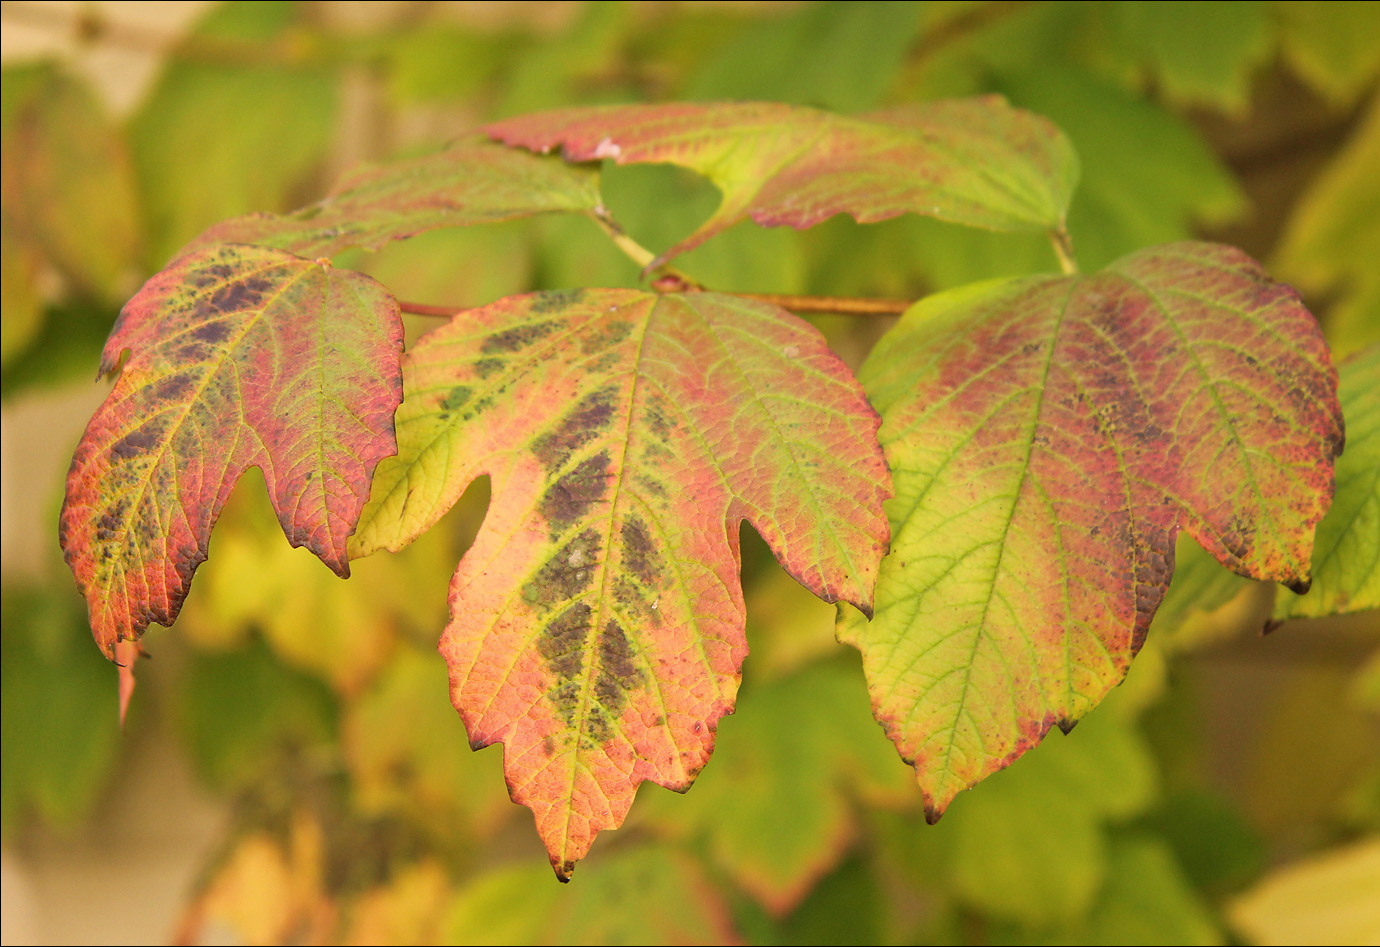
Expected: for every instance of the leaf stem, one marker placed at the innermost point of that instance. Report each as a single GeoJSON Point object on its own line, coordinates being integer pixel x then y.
{"type": "Point", "coordinates": [639, 254]}
{"type": "Point", "coordinates": [667, 279]}
{"type": "Point", "coordinates": [1063, 249]}
{"type": "Point", "coordinates": [439, 312]}
{"type": "Point", "coordinates": [838, 305]}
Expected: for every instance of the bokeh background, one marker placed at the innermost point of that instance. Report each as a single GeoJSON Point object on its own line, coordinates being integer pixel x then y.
{"type": "Point", "coordinates": [292, 771]}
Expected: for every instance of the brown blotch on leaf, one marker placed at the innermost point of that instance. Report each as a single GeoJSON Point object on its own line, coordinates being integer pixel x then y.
{"type": "Point", "coordinates": [139, 441]}
{"type": "Point", "coordinates": [556, 300]}
{"type": "Point", "coordinates": [567, 573]}
{"type": "Point", "coordinates": [586, 421]}
{"type": "Point", "coordinates": [573, 495]}
{"type": "Point", "coordinates": [658, 419]}
{"type": "Point", "coordinates": [596, 725]}
{"type": "Point", "coordinates": [519, 337]}
{"type": "Point", "coordinates": [212, 332]}
{"type": "Point", "coordinates": [488, 366]}
{"type": "Point", "coordinates": [618, 671]}
{"type": "Point", "coordinates": [641, 557]}
{"type": "Point", "coordinates": [240, 295]}
{"type": "Point", "coordinates": [171, 388]}
{"type": "Point", "coordinates": [457, 398]}
{"type": "Point", "coordinates": [562, 642]}
{"type": "Point", "coordinates": [606, 336]}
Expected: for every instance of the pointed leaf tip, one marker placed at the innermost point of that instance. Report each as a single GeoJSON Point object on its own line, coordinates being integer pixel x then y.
{"type": "Point", "coordinates": [1049, 437]}
{"type": "Point", "coordinates": [597, 621]}
{"type": "Point", "coordinates": [238, 356]}
{"type": "Point", "coordinates": [126, 653]}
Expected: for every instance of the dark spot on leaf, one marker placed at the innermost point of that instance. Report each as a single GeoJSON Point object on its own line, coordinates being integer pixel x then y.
{"type": "Point", "coordinates": [652, 487]}
{"type": "Point", "coordinates": [457, 397]}
{"type": "Point", "coordinates": [240, 295]}
{"type": "Point", "coordinates": [566, 697]}
{"type": "Point", "coordinates": [604, 364]}
{"type": "Point", "coordinates": [138, 441]}
{"type": "Point", "coordinates": [597, 726]}
{"type": "Point", "coordinates": [606, 336]}
{"type": "Point", "coordinates": [519, 337]}
{"type": "Point", "coordinates": [556, 300]}
{"type": "Point", "coordinates": [632, 600]}
{"type": "Point", "coordinates": [206, 276]}
{"type": "Point", "coordinates": [488, 366]}
{"type": "Point", "coordinates": [586, 421]}
{"type": "Point", "coordinates": [567, 573]}
{"type": "Point", "coordinates": [575, 493]}
{"type": "Point", "coordinates": [172, 388]}
{"type": "Point", "coordinates": [640, 555]}
{"type": "Point", "coordinates": [212, 333]}
{"type": "Point", "coordinates": [618, 672]}
{"type": "Point", "coordinates": [657, 419]}
{"type": "Point", "coordinates": [655, 453]}
{"type": "Point", "coordinates": [548, 745]}
{"type": "Point", "coordinates": [562, 642]}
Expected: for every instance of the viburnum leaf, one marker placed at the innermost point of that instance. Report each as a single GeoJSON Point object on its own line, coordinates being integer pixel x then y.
{"type": "Point", "coordinates": [973, 161]}
{"type": "Point", "coordinates": [238, 356]}
{"type": "Point", "coordinates": [597, 622]}
{"type": "Point", "coordinates": [472, 182]}
{"type": "Point", "coordinates": [1049, 437]}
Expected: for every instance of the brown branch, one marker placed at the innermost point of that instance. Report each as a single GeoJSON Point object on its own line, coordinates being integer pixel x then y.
{"type": "Point", "coordinates": [440, 312]}
{"type": "Point", "coordinates": [839, 305]}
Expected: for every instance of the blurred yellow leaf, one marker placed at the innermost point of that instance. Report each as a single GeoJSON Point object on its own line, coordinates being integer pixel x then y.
{"type": "Point", "coordinates": [407, 910]}
{"type": "Point", "coordinates": [269, 891]}
{"type": "Point", "coordinates": [1333, 898]}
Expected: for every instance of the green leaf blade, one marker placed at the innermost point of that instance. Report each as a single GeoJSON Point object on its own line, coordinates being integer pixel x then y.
{"type": "Point", "coordinates": [597, 622]}
{"type": "Point", "coordinates": [470, 183]}
{"type": "Point", "coordinates": [1346, 560]}
{"type": "Point", "coordinates": [238, 357]}
{"type": "Point", "coordinates": [978, 162]}
{"type": "Point", "coordinates": [1048, 438]}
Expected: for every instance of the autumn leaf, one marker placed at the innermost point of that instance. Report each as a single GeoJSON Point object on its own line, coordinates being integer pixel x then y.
{"type": "Point", "coordinates": [597, 622]}
{"type": "Point", "coordinates": [1049, 437]}
{"type": "Point", "coordinates": [237, 357]}
{"type": "Point", "coordinates": [973, 161]}
{"type": "Point", "coordinates": [473, 182]}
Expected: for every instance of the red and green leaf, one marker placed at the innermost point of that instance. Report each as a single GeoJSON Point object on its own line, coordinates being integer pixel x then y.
{"type": "Point", "coordinates": [237, 357]}
{"type": "Point", "coordinates": [597, 622]}
{"type": "Point", "coordinates": [1049, 437]}
{"type": "Point", "coordinates": [473, 182]}
{"type": "Point", "coordinates": [974, 161]}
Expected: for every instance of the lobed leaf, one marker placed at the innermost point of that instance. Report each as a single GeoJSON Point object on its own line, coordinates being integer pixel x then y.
{"type": "Point", "coordinates": [1048, 438]}
{"type": "Point", "coordinates": [597, 622]}
{"type": "Point", "coordinates": [238, 357]}
{"type": "Point", "coordinates": [472, 182]}
{"type": "Point", "coordinates": [973, 161]}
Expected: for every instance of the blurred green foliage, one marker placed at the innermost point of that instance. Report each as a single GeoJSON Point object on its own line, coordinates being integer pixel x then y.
{"type": "Point", "coordinates": [805, 828]}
